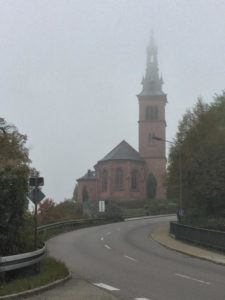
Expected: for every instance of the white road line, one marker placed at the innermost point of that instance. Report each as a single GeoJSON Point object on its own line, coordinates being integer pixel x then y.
{"type": "Point", "coordinates": [142, 299]}
{"type": "Point", "coordinates": [106, 286]}
{"type": "Point", "coordinates": [108, 233]}
{"type": "Point", "coordinates": [102, 238]}
{"type": "Point", "coordinates": [131, 258]}
{"type": "Point", "coordinates": [192, 278]}
{"type": "Point", "coordinates": [107, 247]}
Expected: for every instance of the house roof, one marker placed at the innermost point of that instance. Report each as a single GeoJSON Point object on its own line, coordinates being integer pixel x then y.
{"type": "Point", "coordinates": [90, 175]}
{"type": "Point", "coordinates": [123, 151]}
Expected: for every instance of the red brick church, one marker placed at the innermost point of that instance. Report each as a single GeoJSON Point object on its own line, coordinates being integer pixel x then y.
{"type": "Point", "coordinates": [123, 172]}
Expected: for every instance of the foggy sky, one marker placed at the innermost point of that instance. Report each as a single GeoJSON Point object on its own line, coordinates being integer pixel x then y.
{"type": "Point", "coordinates": [70, 71]}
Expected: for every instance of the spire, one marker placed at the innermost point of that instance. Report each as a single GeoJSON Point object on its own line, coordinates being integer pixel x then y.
{"type": "Point", "coordinates": [152, 83]}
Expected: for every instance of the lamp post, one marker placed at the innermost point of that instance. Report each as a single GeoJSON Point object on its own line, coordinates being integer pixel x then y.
{"type": "Point", "coordinates": [180, 211]}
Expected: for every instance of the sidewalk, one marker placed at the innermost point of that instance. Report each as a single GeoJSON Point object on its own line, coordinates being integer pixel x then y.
{"type": "Point", "coordinates": [161, 235]}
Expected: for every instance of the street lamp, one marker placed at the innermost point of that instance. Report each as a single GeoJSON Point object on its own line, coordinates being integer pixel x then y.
{"type": "Point", "coordinates": [180, 212]}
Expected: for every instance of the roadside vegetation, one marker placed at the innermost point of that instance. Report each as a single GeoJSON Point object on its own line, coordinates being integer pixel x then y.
{"type": "Point", "coordinates": [26, 279]}
{"type": "Point", "coordinates": [200, 141]}
{"type": "Point", "coordinates": [16, 221]}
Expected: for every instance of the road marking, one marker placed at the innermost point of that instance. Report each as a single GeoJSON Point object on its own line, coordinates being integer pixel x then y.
{"type": "Point", "coordinates": [131, 258]}
{"type": "Point", "coordinates": [142, 299]}
{"type": "Point", "coordinates": [106, 286]}
{"type": "Point", "coordinates": [102, 238]}
{"type": "Point", "coordinates": [192, 278]}
{"type": "Point", "coordinates": [107, 247]}
{"type": "Point", "coordinates": [108, 233]}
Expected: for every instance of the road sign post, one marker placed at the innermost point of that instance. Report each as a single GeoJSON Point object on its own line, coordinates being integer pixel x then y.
{"type": "Point", "coordinates": [36, 196]}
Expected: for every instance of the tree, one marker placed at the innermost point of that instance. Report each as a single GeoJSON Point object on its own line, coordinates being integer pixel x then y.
{"type": "Point", "coordinates": [84, 194]}
{"type": "Point", "coordinates": [201, 143]}
{"type": "Point", "coordinates": [14, 173]}
{"type": "Point", "coordinates": [151, 186]}
{"type": "Point", "coordinates": [75, 193]}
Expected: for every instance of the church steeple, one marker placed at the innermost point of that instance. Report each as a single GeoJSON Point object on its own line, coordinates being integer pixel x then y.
{"type": "Point", "coordinates": [152, 83]}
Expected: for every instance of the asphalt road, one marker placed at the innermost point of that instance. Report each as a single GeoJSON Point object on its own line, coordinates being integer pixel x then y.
{"type": "Point", "coordinates": [123, 259]}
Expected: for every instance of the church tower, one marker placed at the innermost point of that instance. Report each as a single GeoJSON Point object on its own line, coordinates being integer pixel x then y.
{"type": "Point", "coordinates": [152, 102]}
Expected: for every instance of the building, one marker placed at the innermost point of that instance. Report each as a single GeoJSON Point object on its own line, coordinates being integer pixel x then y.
{"type": "Point", "coordinates": [122, 174]}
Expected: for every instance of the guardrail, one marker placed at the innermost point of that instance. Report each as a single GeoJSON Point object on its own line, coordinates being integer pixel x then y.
{"type": "Point", "coordinates": [211, 238]}
{"type": "Point", "coordinates": [67, 223]}
{"type": "Point", "coordinates": [13, 262]}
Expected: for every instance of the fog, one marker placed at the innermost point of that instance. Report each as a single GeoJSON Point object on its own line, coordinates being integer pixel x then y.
{"type": "Point", "coordinates": [70, 72]}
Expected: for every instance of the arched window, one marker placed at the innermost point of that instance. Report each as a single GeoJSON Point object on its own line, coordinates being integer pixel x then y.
{"type": "Point", "coordinates": [151, 113]}
{"type": "Point", "coordinates": [104, 180]}
{"type": "Point", "coordinates": [134, 180]}
{"type": "Point", "coordinates": [119, 179]}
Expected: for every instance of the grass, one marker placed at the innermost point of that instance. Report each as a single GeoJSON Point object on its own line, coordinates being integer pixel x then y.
{"type": "Point", "coordinates": [26, 279]}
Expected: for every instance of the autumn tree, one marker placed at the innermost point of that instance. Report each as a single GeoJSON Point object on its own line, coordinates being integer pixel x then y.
{"type": "Point", "coordinates": [200, 142]}
{"type": "Point", "coordinates": [14, 173]}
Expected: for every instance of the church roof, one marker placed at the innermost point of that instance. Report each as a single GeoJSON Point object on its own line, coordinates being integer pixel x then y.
{"type": "Point", "coordinates": [123, 151]}
{"type": "Point", "coordinates": [90, 175]}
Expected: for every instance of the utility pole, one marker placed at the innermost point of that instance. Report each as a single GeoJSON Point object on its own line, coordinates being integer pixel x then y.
{"type": "Point", "coordinates": [180, 209]}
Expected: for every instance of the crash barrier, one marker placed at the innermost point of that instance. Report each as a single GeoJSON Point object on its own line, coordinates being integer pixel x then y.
{"type": "Point", "coordinates": [13, 262]}
{"type": "Point", "coordinates": [69, 223]}
{"type": "Point", "coordinates": [211, 238]}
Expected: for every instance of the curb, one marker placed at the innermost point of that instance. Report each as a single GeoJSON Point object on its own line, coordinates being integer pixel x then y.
{"type": "Point", "coordinates": [38, 289]}
{"type": "Point", "coordinates": [148, 217]}
{"type": "Point", "coordinates": [186, 252]}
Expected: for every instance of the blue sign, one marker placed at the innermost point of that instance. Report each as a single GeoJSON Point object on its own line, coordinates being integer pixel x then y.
{"type": "Point", "coordinates": [181, 212]}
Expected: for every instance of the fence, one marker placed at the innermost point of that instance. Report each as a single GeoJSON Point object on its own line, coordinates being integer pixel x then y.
{"type": "Point", "coordinates": [12, 262]}
{"type": "Point", "coordinates": [211, 238]}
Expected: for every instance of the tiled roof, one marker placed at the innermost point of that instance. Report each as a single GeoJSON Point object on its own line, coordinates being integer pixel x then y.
{"type": "Point", "coordinates": [123, 151]}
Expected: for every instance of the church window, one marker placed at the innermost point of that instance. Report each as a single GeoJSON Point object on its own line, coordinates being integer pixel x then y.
{"type": "Point", "coordinates": [104, 180]}
{"type": "Point", "coordinates": [151, 113]}
{"type": "Point", "coordinates": [134, 180]}
{"type": "Point", "coordinates": [119, 179]}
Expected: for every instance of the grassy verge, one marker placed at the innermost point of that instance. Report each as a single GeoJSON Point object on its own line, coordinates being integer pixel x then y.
{"type": "Point", "coordinates": [26, 279]}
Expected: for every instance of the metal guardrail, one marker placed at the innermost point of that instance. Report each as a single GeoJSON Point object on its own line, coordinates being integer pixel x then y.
{"type": "Point", "coordinates": [13, 262]}
{"type": "Point", "coordinates": [68, 223]}
{"type": "Point", "coordinates": [211, 238]}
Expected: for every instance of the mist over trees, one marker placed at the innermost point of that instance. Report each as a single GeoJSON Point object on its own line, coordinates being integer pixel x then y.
{"type": "Point", "coordinates": [200, 141]}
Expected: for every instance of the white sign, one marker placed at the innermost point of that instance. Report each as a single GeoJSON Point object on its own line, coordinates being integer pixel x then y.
{"type": "Point", "coordinates": [102, 206]}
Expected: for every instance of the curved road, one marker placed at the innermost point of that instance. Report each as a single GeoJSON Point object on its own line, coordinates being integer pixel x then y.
{"type": "Point", "coordinates": [123, 259]}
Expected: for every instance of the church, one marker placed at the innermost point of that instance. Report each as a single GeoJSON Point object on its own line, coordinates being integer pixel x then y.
{"type": "Point", "coordinates": [122, 173]}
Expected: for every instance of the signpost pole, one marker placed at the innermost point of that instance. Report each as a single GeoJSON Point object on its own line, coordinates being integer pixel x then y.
{"type": "Point", "coordinates": [35, 219]}
{"type": "Point", "coordinates": [36, 266]}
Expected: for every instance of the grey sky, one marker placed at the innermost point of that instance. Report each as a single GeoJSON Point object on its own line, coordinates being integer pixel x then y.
{"type": "Point", "coordinates": [70, 72]}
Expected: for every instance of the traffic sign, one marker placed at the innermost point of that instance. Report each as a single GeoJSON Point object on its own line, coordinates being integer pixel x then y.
{"type": "Point", "coordinates": [102, 206]}
{"type": "Point", "coordinates": [36, 196]}
{"type": "Point", "coordinates": [36, 181]}
{"type": "Point", "coordinates": [181, 212]}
